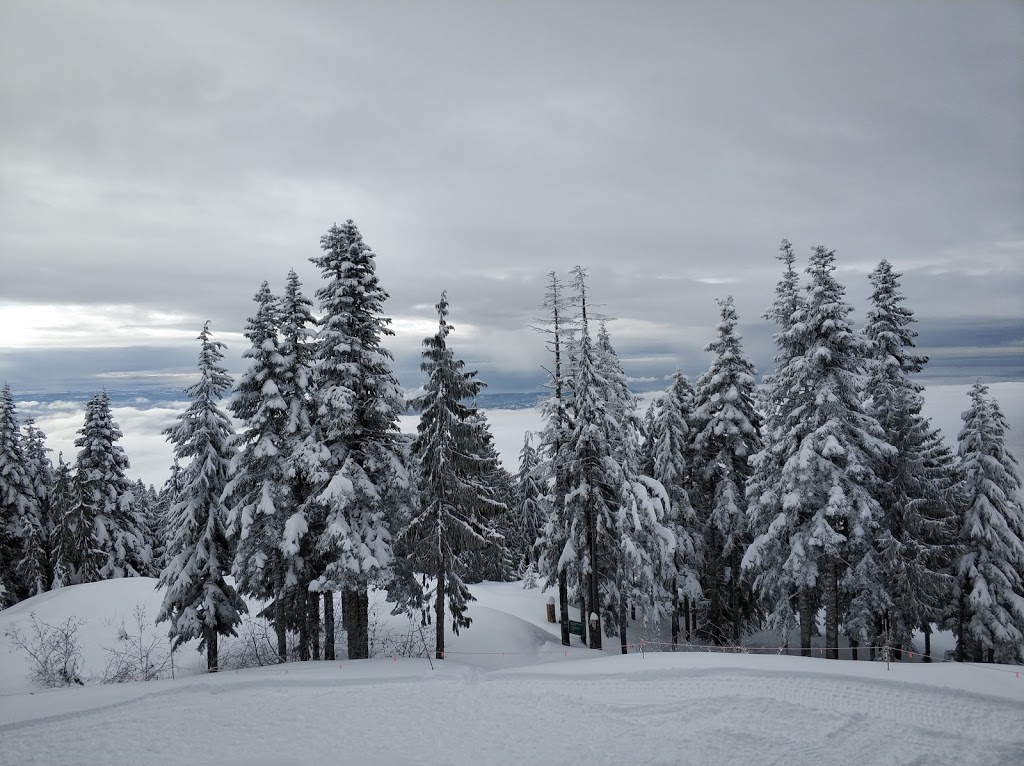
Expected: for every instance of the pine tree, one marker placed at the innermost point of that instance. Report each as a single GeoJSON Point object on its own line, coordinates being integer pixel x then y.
{"type": "Point", "coordinates": [165, 498]}
{"type": "Point", "coordinates": [259, 489]}
{"type": "Point", "coordinates": [989, 589]}
{"type": "Point", "coordinates": [358, 405]}
{"type": "Point", "coordinates": [668, 450]}
{"type": "Point", "coordinates": [593, 479]}
{"type": "Point", "coordinates": [727, 434]}
{"type": "Point", "coordinates": [38, 555]}
{"type": "Point", "coordinates": [65, 532]}
{"type": "Point", "coordinates": [113, 543]}
{"type": "Point", "coordinates": [788, 599]}
{"type": "Point", "coordinates": [643, 550]}
{"type": "Point", "coordinates": [494, 561]}
{"type": "Point", "coordinates": [308, 458]}
{"type": "Point", "coordinates": [17, 501]}
{"type": "Point", "coordinates": [527, 522]}
{"type": "Point", "coordinates": [917, 487]}
{"type": "Point", "coordinates": [452, 467]}
{"type": "Point", "coordinates": [828, 446]}
{"type": "Point", "coordinates": [556, 548]}
{"type": "Point", "coordinates": [198, 602]}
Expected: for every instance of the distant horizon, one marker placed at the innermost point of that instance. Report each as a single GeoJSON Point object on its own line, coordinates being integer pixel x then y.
{"type": "Point", "coordinates": [151, 457]}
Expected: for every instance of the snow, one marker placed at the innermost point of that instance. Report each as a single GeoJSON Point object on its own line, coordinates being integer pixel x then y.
{"type": "Point", "coordinates": [507, 692]}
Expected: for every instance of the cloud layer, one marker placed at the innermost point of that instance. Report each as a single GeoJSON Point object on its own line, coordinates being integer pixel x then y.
{"type": "Point", "coordinates": [159, 160]}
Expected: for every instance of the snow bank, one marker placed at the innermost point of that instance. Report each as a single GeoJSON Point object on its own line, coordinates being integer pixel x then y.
{"type": "Point", "coordinates": [508, 692]}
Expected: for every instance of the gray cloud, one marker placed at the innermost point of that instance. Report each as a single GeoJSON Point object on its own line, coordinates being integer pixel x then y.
{"type": "Point", "coordinates": [171, 156]}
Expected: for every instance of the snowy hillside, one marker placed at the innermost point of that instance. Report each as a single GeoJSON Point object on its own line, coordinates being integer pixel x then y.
{"type": "Point", "coordinates": [507, 692]}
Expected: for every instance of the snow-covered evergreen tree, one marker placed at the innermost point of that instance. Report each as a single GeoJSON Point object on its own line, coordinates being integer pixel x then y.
{"type": "Point", "coordinates": [528, 514]}
{"type": "Point", "coordinates": [668, 450]}
{"type": "Point", "coordinates": [556, 547]}
{"type": "Point", "coordinates": [828, 446]}
{"type": "Point", "coordinates": [644, 548]}
{"type": "Point", "coordinates": [308, 459]}
{"type": "Point", "coordinates": [198, 602]}
{"type": "Point", "coordinates": [593, 480]}
{"type": "Point", "coordinates": [727, 434]}
{"type": "Point", "coordinates": [65, 529]}
{"type": "Point", "coordinates": [37, 552]}
{"type": "Point", "coordinates": [165, 498]}
{"type": "Point", "coordinates": [151, 522]}
{"type": "Point", "coordinates": [358, 405]}
{"type": "Point", "coordinates": [493, 561]}
{"type": "Point", "coordinates": [17, 501]}
{"type": "Point", "coordinates": [258, 492]}
{"type": "Point", "coordinates": [917, 488]}
{"type": "Point", "coordinates": [989, 589]}
{"type": "Point", "coordinates": [453, 467]}
{"type": "Point", "coordinates": [788, 598]}
{"type": "Point", "coordinates": [113, 543]}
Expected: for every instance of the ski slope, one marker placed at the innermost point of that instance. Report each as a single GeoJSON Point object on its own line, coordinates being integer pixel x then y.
{"type": "Point", "coordinates": [508, 692]}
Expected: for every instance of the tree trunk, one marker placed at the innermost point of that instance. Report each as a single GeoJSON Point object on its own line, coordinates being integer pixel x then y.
{"type": "Point", "coordinates": [211, 650]}
{"type": "Point", "coordinates": [281, 616]}
{"type": "Point", "coordinates": [806, 608]}
{"type": "Point", "coordinates": [439, 610]}
{"type": "Point", "coordinates": [714, 608]}
{"type": "Point", "coordinates": [301, 608]}
{"type": "Point", "coordinates": [356, 601]}
{"type": "Point", "coordinates": [593, 599]}
{"type": "Point", "coordinates": [831, 610]}
{"type": "Point", "coordinates": [563, 606]}
{"type": "Point", "coordinates": [853, 649]}
{"type": "Point", "coordinates": [927, 643]}
{"type": "Point", "coordinates": [675, 614]}
{"type": "Point", "coordinates": [961, 626]}
{"type": "Point", "coordinates": [363, 621]}
{"type": "Point", "coordinates": [734, 598]}
{"type": "Point", "coordinates": [688, 619]}
{"type": "Point", "coordinates": [329, 649]}
{"type": "Point", "coordinates": [313, 618]}
{"type": "Point", "coordinates": [583, 586]}
{"type": "Point", "coordinates": [623, 624]}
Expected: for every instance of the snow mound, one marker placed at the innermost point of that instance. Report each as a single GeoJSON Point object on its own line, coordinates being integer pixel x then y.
{"type": "Point", "coordinates": [507, 692]}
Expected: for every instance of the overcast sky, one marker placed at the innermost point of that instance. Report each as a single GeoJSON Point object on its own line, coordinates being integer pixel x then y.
{"type": "Point", "coordinates": [159, 160]}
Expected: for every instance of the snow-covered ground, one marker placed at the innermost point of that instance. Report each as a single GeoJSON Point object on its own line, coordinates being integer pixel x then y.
{"type": "Point", "coordinates": [507, 692]}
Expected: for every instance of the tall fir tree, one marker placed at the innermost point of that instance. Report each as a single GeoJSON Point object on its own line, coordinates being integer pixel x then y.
{"type": "Point", "coordinates": [989, 589]}
{"type": "Point", "coordinates": [557, 553]}
{"type": "Point", "coordinates": [668, 450]}
{"type": "Point", "coordinates": [38, 555]}
{"type": "Point", "coordinates": [453, 468]}
{"type": "Point", "coordinates": [727, 433]}
{"type": "Point", "coordinates": [258, 491]}
{"type": "Point", "coordinates": [528, 513]}
{"type": "Point", "coordinates": [198, 601]}
{"type": "Point", "coordinates": [358, 406]}
{"type": "Point", "coordinates": [643, 547]}
{"type": "Point", "coordinates": [789, 599]}
{"type": "Point", "coordinates": [828, 445]}
{"type": "Point", "coordinates": [307, 458]}
{"type": "Point", "coordinates": [17, 502]}
{"type": "Point", "coordinates": [593, 479]}
{"type": "Point", "coordinates": [165, 498]}
{"type": "Point", "coordinates": [913, 545]}
{"type": "Point", "coordinates": [494, 561]}
{"type": "Point", "coordinates": [63, 539]}
{"type": "Point", "coordinates": [113, 543]}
